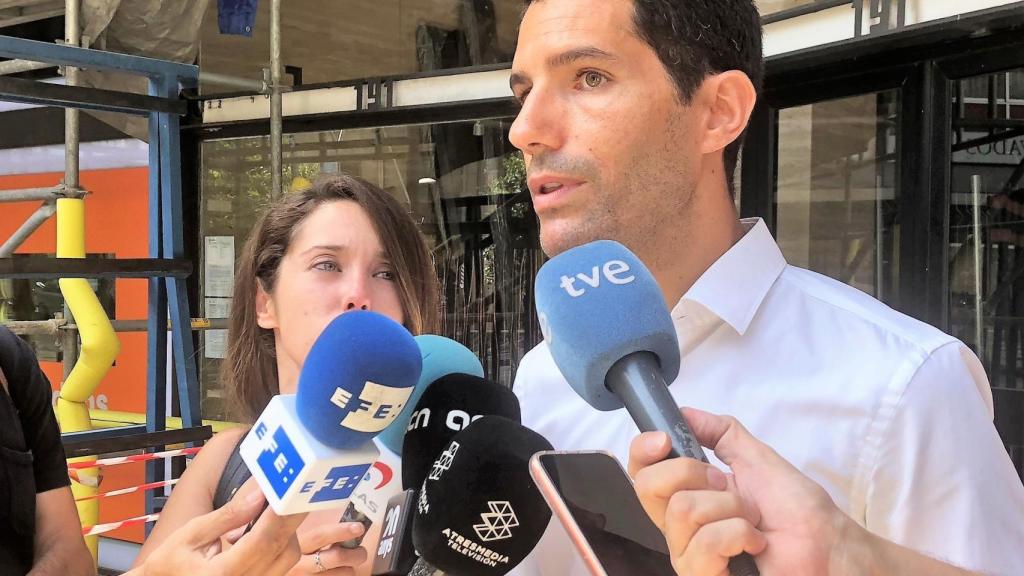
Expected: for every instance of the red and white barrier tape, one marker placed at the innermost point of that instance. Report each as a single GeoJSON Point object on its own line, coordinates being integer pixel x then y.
{"type": "Point", "coordinates": [123, 491]}
{"type": "Point", "coordinates": [133, 458]}
{"type": "Point", "coordinates": [85, 479]}
{"type": "Point", "coordinates": [104, 528]}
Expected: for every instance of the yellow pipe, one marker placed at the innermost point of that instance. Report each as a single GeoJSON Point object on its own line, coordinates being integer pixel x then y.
{"type": "Point", "coordinates": [99, 348]}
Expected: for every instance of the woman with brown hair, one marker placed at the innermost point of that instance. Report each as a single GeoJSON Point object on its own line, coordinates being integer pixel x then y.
{"type": "Point", "coordinates": [342, 244]}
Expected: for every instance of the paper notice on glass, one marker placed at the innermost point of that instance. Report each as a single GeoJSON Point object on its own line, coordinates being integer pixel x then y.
{"type": "Point", "coordinates": [215, 341]}
{"type": "Point", "coordinates": [219, 266]}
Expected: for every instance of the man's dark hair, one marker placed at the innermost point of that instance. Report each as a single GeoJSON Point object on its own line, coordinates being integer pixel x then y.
{"type": "Point", "coordinates": [695, 39]}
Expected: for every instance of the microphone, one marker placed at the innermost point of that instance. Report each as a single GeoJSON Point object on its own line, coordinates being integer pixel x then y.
{"type": "Point", "coordinates": [308, 451]}
{"type": "Point", "coordinates": [479, 512]}
{"type": "Point", "coordinates": [439, 356]}
{"type": "Point", "coordinates": [611, 335]}
{"type": "Point", "coordinates": [448, 406]}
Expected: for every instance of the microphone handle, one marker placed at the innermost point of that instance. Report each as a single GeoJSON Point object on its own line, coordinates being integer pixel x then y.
{"type": "Point", "coordinates": [637, 380]}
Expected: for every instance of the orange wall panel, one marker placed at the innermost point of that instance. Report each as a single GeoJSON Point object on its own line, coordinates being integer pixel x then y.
{"type": "Point", "coordinates": [116, 220]}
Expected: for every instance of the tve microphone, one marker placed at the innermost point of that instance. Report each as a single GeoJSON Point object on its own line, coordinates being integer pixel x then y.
{"type": "Point", "coordinates": [308, 451]}
{"type": "Point", "coordinates": [479, 512]}
{"type": "Point", "coordinates": [447, 407]}
{"type": "Point", "coordinates": [439, 356]}
{"type": "Point", "coordinates": [605, 321]}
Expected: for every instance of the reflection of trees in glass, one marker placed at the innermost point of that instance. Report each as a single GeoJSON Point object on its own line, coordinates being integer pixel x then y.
{"type": "Point", "coordinates": [487, 273]}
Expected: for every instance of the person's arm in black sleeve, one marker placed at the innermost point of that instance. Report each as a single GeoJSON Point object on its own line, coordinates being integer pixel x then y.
{"type": "Point", "coordinates": [58, 543]}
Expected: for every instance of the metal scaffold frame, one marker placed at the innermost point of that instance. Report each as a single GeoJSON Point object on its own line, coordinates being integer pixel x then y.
{"type": "Point", "coordinates": [166, 267]}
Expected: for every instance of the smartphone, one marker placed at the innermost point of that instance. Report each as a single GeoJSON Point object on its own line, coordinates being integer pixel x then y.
{"type": "Point", "coordinates": [593, 497]}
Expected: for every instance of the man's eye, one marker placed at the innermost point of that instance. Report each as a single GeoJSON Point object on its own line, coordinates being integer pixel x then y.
{"type": "Point", "coordinates": [326, 266]}
{"type": "Point", "coordinates": [593, 79]}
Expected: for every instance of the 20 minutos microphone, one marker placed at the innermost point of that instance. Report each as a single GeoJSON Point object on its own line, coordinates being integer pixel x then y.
{"type": "Point", "coordinates": [605, 321]}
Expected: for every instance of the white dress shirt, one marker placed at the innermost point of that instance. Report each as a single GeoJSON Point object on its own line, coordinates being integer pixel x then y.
{"type": "Point", "coordinates": [890, 415]}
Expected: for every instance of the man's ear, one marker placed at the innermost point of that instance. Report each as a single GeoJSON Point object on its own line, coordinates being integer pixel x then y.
{"type": "Point", "coordinates": [266, 315]}
{"type": "Point", "coordinates": [729, 98]}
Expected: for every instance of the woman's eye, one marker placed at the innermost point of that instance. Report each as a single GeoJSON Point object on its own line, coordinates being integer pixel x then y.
{"type": "Point", "coordinates": [385, 275]}
{"type": "Point", "coordinates": [326, 266]}
{"type": "Point", "coordinates": [593, 79]}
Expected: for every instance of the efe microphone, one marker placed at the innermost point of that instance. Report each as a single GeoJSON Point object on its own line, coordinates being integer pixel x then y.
{"type": "Point", "coordinates": [605, 321]}
{"type": "Point", "coordinates": [308, 451]}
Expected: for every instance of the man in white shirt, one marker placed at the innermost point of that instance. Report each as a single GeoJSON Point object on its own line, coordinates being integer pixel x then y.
{"type": "Point", "coordinates": [631, 120]}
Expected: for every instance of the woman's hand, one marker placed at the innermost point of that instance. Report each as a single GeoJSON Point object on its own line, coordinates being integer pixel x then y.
{"type": "Point", "coordinates": [270, 548]}
{"type": "Point", "coordinates": [322, 553]}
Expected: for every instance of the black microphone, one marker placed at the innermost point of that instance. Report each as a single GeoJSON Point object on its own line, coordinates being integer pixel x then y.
{"type": "Point", "coordinates": [395, 554]}
{"type": "Point", "coordinates": [611, 335]}
{"type": "Point", "coordinates": [479, 512]}
{"type": "Point", "coordinates": [447, 406]}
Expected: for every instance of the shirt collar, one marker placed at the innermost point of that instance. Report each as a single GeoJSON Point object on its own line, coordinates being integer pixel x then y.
{"type": "Point", "coordinates": [736, 284]}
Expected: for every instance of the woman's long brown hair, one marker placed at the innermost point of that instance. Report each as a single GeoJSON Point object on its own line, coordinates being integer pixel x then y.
{"type": "Point", "coordinates": [249, 371]}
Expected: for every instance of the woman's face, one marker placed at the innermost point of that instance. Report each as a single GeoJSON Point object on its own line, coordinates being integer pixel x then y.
{"type": "Point", "coordinates": [335, 264]}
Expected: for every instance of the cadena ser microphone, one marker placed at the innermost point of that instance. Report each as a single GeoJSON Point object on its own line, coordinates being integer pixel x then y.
{"type": "Point", "coordinates": [610, 333]}
{"type": "Point", "coordinates": [478, 511]}
{"type": "Point", "coordinates": [449, 405]}
{"type": "Point", "coordinates": [308, 451]}
{"type": "Point", "coordinates": [439, 356]}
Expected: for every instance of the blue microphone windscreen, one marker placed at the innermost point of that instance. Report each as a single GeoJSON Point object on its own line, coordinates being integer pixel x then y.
{"type": "Point", "coordinates": [598, 303]}
{"type": "Point", "coordinates": [441, 356]}
{"type": "Point", "coordinates": [357, 378]}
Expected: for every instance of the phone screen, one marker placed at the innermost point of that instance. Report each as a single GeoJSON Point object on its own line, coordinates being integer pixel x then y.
{"type": "Point", "coordinates": [601, 500]}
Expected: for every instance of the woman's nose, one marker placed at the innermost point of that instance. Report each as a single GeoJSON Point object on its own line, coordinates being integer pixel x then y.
{"type": "Point", "coordinates": [357, 296]}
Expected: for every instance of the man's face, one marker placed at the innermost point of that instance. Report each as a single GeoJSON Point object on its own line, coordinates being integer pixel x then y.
{"type": "Point", "coordinates": [611, 151]}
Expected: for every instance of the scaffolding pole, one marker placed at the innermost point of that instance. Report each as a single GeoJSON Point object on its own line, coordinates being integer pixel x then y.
{"type": "Point", "coordinates": [18, 66]}
{"type": "Point", "coordinates": [42, 214]}
{"type": "Point", "coordinates": [276, 157]}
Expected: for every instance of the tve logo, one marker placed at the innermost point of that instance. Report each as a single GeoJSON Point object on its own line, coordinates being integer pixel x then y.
{"type": "Point", "coordinates": [377, 407]}
{"type": "Point", "coordinates": [337, 485]}
{"type": "Point", "coordinates": [279, 460]}
{"type": "Point", "coordinates": [614, 271]}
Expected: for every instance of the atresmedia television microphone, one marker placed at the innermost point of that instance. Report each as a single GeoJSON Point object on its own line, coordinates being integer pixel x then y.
{"type": "Point", "coordinates": [309, 451]}
{"type": "Point", "coordinates": [478, 511]}
{"type": "Point", "coordinates": [440, 356]}
{"type": "Point", "coordinates": [605, 321]}
{"type": "Point", "coordinates": [446, 408]}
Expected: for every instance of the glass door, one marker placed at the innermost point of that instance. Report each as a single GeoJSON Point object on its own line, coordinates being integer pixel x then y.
{"type": "Point", "coordinates": [836, 190]}
{"type": "Point", "coordinates": [986, 237]}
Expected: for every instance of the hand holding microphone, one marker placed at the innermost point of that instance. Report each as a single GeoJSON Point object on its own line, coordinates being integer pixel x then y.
{"type": "Point", "coordinates": [698, 508]}
{"type": "Point", "coordinates": [610, 333]}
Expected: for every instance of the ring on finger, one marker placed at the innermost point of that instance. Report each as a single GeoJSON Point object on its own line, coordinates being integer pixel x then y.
{"type": "Point", "coordinates": [317, 564]}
